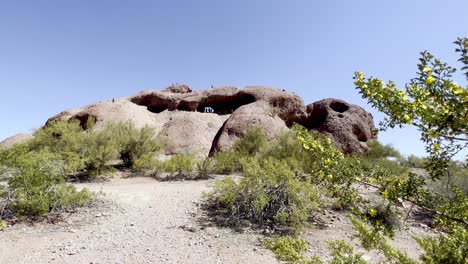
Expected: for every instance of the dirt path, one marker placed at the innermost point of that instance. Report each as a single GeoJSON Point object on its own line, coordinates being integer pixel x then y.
{"type": "Point", "coordinates": [139, 221]}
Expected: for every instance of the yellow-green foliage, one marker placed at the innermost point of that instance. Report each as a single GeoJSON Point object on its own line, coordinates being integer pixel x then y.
{"type": "Point", "coordinates": [343, 253]}
{"type": "Point", "coordinates": [287, 248]}
{"type": "Point", "coordinates": [226, 162]}
{"type": "Point", "coordinates": [179, 166]}
{"type": "Point", "coordinates": [251, 142]}
{"type": "Point", "coordinates": [132, 142]}
{"type": "Point", "coordinates": [268, 193]}
{"type": "Point", "coordinates": [432, 101]}
{"type": "Point", "coordinates": [380, 151]}
{"type": "Point", "coordinates": [37, 185]}
{"type": "Point", "coordinates": [451, 248]}
{"type": "Point", "coordinates": [204, 167]}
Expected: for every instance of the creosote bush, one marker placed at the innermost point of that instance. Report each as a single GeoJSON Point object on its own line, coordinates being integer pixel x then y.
{"type": "Point", "coordinates": [268, 194]}
{"type": "Point", "coordinates": [134, 143]}
{"type": "Point", "coordinates": [287, 248]}
{"type": "Point", "coordinates": [37, 169]}
{"type": "Point", "coordinates": [248, 145]}
{"type": "Point", "coordinates": [37, 185]}
{"type": "Point", "coordinates": [179, 167]}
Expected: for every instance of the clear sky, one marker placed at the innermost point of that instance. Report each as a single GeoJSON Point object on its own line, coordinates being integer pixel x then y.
{"type": "Point", "coordinates": [56, 55]}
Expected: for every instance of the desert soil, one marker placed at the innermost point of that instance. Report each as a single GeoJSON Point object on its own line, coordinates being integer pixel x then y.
{"type": "Point", "coordinates": [140, 220]}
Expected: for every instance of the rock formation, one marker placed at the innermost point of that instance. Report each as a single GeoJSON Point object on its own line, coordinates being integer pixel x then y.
{"type": "Point", "coordinates": [179, 117]}
{"type": "Point", "coordinates": [16, 139]}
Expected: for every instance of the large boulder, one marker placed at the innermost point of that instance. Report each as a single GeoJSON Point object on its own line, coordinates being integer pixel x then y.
{"type": "Point", "coordinates": [15, 139]}
{"type": "Point", "coordinates": [349, 126]}
{"type": "Point", "coordinates": [258, 114]}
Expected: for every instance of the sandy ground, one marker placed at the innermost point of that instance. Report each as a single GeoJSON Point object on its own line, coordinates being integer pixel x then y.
{"type": "Point", "coordinates": [140, 220]}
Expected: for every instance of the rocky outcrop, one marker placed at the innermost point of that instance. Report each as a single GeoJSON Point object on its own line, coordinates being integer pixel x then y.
{"type": "Point", "coordinates": [258, 114]}
{"type": "Point", "coordinates": [203, 122]}
{"type": "Point", "coordinates": [349, 126]}
{"type": "Point", "coordinates": [178, 88]}
{"type": "Point", "coordinates": [16, 139]}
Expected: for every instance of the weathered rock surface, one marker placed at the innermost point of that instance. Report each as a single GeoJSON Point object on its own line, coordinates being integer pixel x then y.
{"type": "Point", "coordinates": [349, 126]}
{"type": "Point", "coordinates": [211, 120]}
{"type": "Point", "coordinates": [15, 139]}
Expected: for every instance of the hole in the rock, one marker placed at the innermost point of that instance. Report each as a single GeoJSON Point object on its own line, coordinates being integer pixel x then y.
{"type": "Point", "coordinates": [224, 105]}
{"type": "Point", "coordinates": [339, 106]}
{"type": "Point", "coordinates": [340, 115]}
{"type": "Point", "coordinates": [317, 117]}
{"type": "Point", "coordinates": [359, 133]}
{"type": "Point", "coordinates": [156, 108]}
{"type": "Point", "coordinates": [183, 106]}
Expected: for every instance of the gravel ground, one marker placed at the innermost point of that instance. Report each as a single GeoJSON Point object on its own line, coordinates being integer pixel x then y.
{"type": "Point", "coordinates": [140, 220]}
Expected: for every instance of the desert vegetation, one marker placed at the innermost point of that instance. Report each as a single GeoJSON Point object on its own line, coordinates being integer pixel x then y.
{"type": "Point", "coordinates": [287, 180]}
{"type": "Point", "coordinates": [280, 185]}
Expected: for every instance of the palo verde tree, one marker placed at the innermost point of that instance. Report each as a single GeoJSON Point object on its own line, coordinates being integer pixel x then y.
{"type": "Point", "coordinates": [432, 101]}
{"type": "Point", "coordinates": [438, 107]}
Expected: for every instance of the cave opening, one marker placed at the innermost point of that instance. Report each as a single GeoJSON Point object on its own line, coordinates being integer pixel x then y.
{"type": "Point", "coordinates": [225, 105]}
{"type": "Point", "coordinates": [339, 107]}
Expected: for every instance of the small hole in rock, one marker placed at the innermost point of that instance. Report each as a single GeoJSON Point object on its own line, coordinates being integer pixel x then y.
{"type": "Point", "coordinates": [339, 106]}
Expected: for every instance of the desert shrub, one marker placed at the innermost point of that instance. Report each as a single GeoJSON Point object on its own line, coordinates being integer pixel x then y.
{"type": "Point", "coordinates": [414, 161]}
{"type": "Point", "coordinates": [38, 187]}
{"type": "Point", "coordinates": [133, 143]}
{"type": "Point", "coordinates": [226, 162]}
{"type": "Point", "coordinates": [148, 165]}
{"type": "Point", "coordinates": [204, 167]}
{"type": "Point", "coordinates": [287, 248]}
{"type": "Point", "coordinates": [101, 147]}
{"type": "Point", "coordinates": [179, 166]}
{"type": "Point", "coordinates": [379, 151]}
{"type": "Point", "coordinates": [293, 250]}
{"type": "Point", "coordinates": [269, 193]}
{"type": "Point", "coordinates": [65, 138]}
{"type": "Point", "coordinates": [452, 248]}
{"type": "Point", "coordinates": [343, 253]}
{"type": "Point", "coordinates": [457, 177]}
{"type": "Point", "coordinates": [251, 142]}
{"type": "Point", "coordinates": [289, 149]}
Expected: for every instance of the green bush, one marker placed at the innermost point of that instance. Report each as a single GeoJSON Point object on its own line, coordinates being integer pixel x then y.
{"type": "Point", "coordinates": [38, 187]}
{"type": "Point", "coordinates": [179, 167]}
{"type": "Point", "coordinates": [226, 162]}
{"type": "Point", "coordinates": [100, 148]}
{"type": "Point", "coordinates": [379, 151]}
{"type": "Point", "coordinates": [148, 165]}
{"type": "Point", "coordinates": [451, 248]}
{"type": "Point", "coordinates": [204, 168]}
{"type": "Point", "coordinates": [289, 149]}
{"type": "Point", "coordinates": [286, 248]}
{"type": "Point", "coordinates": [251, 142]}
{"type": "Point", "coordinates": [268, 194]}
{"type": "Point", "coordinates": [134, 143]}
{"type": "Point", "coordinates": [65, 138]}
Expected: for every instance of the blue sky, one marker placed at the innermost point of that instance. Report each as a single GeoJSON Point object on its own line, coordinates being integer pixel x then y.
{"type": "Point", "coordinates": [56, 55]}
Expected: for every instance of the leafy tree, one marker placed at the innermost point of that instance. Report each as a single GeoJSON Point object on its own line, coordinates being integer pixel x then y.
{"type": "Point", "coordinates": [438, 107]}
{"type": "Point", "coordinates": [432, 102]}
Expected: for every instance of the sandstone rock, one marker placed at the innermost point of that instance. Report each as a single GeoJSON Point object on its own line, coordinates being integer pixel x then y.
{"type": "Point", "coordinates": [16, 139]}
{"type": "Point", "coordinates": [349, 126]}
{"type": "Point", "coordinates": [178, 116]}
{"type": "Point", "coordinates": [178, 88]}
{"type": "Point", "coordinates": [258, 114]}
